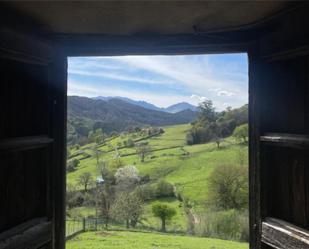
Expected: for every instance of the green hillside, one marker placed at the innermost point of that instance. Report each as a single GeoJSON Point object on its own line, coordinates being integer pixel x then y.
{"type": "Point", "coordinates": [116, 115]}
{"type": "Point", "coordinates": [186, 167]}
{"type": "Point", "coordinates": [144, 240]}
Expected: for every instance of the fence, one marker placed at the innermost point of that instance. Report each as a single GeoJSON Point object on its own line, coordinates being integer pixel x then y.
{"type": "Point", "coordinates": [93, 224]}
{"type": "Point", "coordinates": [75, 226]}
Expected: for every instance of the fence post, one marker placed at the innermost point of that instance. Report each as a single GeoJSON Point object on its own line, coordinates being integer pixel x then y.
{"type": "Point", "coordinates": [84, 224]}
{"type": "Point", "coordinates": [96, 224]}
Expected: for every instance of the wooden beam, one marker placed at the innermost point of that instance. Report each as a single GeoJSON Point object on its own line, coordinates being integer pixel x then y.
{"type": "Point", "coordinates": [22, 47]}
{"type": "Point", "coordinates": [290, 39]}
{"type": "Point", "coordinates": [24, 143]}
{"type": "Point", "coordinates": [139, 44]}
{"type": "Point", "coordinates": [286, 140]}
{"type": "Point", "coordinates": [283, 235]}
{"type": "Point", "coordinates": [31, 235]}
{"type": "Point", "coordinates": [58, 91]}
{"type": "Point", "coordinates": [288, 54]}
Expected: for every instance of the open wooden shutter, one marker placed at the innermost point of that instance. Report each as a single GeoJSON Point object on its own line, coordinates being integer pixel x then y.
{"type": "Point", "coordinates": [32, 142]}
{"type": "Point", "coordinates": [279, 133]}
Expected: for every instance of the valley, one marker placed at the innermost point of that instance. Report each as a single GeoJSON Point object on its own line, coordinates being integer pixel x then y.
{"type": "Point", "coordinates": [156, 165]}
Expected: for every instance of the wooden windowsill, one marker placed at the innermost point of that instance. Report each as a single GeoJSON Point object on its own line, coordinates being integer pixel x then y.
{"type": "Point", "coordinates": [24, 143]}
{"type": "Point", "coordinates": [286, 140]}
{"type": "Point", "coordinates": [283, 235]}
{"type": "Point", "coordinates": [31, 234]}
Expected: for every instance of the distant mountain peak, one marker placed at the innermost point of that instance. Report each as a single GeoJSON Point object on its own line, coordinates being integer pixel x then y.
{"type": "Point", "coordinates": [141, 103]}
{"type": "Point", "coordinates": [115, 114]}
{"type": "Point", "coordinates": [178, 107]}
{"type": "Point", "coordinates": [182, 106]}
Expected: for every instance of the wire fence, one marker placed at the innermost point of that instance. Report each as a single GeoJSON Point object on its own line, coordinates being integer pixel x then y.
{"type": "Point", "coordinates": [75, 226]}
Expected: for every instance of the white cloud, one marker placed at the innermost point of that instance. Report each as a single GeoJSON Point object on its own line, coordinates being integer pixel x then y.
{"type": "Point", "coordinates": [198, 98]}
{"type": "Point", "coordinates": [225, 93]}
{"type": "Point", "coordinates": [199, 75]}
{"type": "Point", "coordinates": [115, 76]}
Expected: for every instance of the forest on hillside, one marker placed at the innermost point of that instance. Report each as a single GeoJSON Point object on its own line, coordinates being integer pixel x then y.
{"type": "Point", "coordinates": [116, 115]}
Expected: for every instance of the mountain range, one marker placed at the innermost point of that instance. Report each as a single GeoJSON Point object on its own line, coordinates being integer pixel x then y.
{"type": "Point", "coordinates": [182, 106]}
{"type": "Point", "coordinates": [120, 114]}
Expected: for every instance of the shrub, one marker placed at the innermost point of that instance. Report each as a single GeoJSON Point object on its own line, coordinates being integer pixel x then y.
{"type": "Point", "coordinates": [146, 192]}
{"type": "Point", "coordinates": [228, 187]}
{"type": "Point", "coordinates": [145, 179]}
{"type": "Point", "coordinates": [72, 165]}
{"type": "Point", "coordinates": [241, 133]}
{"type": "Point", "coordinates": [89, 199]}
{"type": "Point", "coordinates": [74, 198]}
{"type": "Point", "coordinates": [130, 143]}
{"type": "Point", "coordinates": [165, 189]}
{"type": "Point", "coordinates": [229, 224]}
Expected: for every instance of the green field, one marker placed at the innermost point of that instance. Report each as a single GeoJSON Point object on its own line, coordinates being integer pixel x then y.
{"type": "Point", "coordinates": [186, 167]}
{"type": "Point", "coordinates": [144, 240]}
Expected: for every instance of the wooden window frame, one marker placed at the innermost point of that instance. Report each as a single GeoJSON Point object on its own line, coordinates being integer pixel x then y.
{"type": "Point", "coordinates": [263, 230]}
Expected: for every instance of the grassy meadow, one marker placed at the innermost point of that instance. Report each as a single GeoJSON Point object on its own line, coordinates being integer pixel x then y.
{"type": "Point", "coordinates": [145, 240]}
{"type": "Point", "coordinates": [187, 167]}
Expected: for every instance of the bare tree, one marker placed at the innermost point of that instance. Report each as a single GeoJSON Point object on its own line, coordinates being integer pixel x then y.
{"type": "Point", "coordinates": [142, 151]}
{"type": "Point", "coordinates": [218, 141]}
{"type": "Point", "coordinates": [105, 199]}
{"type": "Point", "coordinates": [97, 153]}
{"type": "Point", "coordinates": [85, 180]}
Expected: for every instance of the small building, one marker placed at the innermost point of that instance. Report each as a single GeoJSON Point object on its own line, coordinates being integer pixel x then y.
{"type": "Point", "coordinates": [100, 181]}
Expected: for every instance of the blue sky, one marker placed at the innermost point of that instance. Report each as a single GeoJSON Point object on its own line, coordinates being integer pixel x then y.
{"type": "Point", "coordinates": [163, 80]}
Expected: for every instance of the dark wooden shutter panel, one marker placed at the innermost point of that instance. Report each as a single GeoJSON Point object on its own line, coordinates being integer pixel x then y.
{"type": "Point", "coordinates": [279, 132]}
{"type": "Point", "coordinates": [32, 143]}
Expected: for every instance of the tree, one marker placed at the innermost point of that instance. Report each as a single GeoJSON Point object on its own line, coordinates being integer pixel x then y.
{"type": "Point", "coordinates": [97, 153]}
{"type": "Point", "coordinates": [117, 163]}
{"type": "Point", "coordinates": [130, 143]}
{"type": "Point", "coordinates": [72, 165]}
{"type": "Point", "coordinates": [241, 133]}
{"type": "Point", "coordinates": [207, 111]}
{"type": "Point", "coordinates": [212, 126]}
{"type": "Point", "coordinates": [164, 212]}
{"type": "Point", "coordinates": [190, 217]}
{"type": "Point", "coordinates": [218, 141]}
{"type": "Point", "coordinates": [85, 180]}
{"type": "Point", "coordinates": [105, 200]}
{"type": "Point", "coordinates": [228, 187]}
{"type": "Point", "coordinates": [73, 197]}
{"type": "Point", "coordinates": [97, 136]}
{"type": "Point", "coordinates": [128, 207]}
{"type": "Point", "coordinates": [127, 177]}
{"type": "Point", "coordinates": [142, 151]}
{"type": "Point", "coordinates": [106, 174]}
